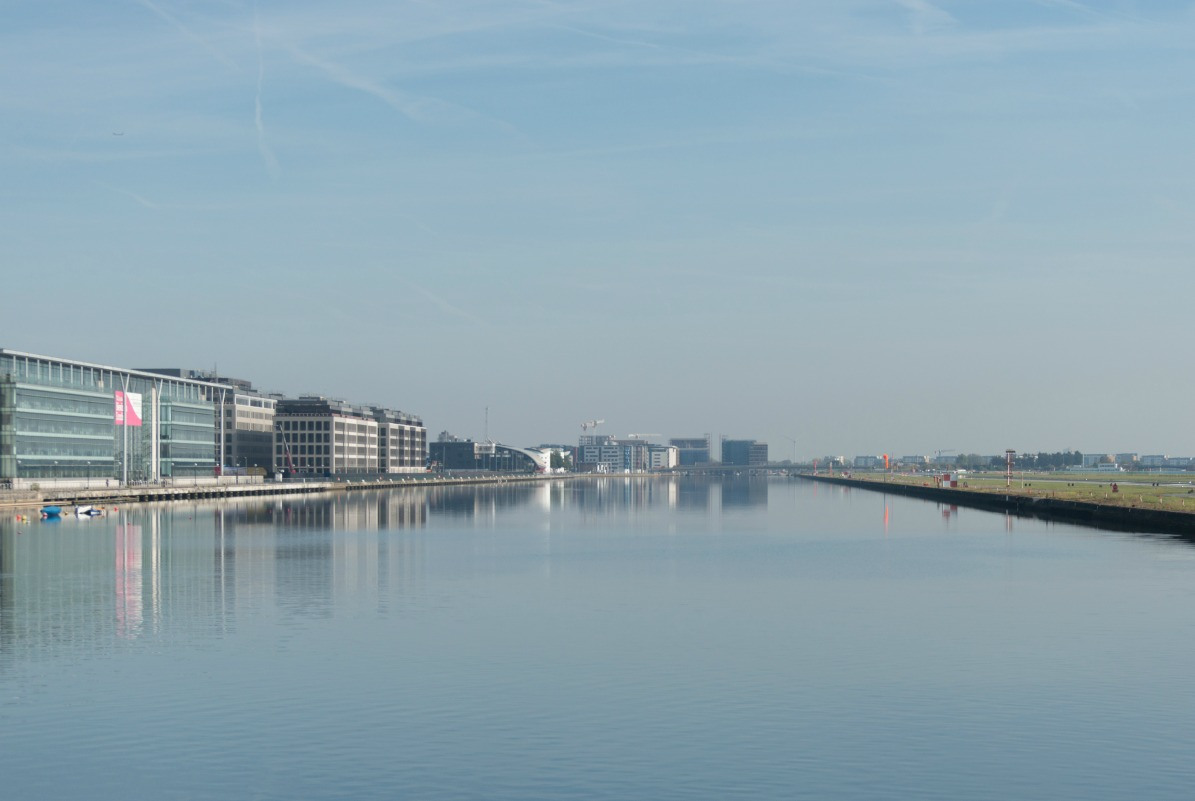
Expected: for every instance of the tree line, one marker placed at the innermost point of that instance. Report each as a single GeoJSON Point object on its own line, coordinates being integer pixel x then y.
{"type": "Point", "coordinates": [1059, 460]}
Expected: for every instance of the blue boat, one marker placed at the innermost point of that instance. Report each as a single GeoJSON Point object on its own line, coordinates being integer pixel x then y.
{"type": "Point", "coordinates": [51, 511]}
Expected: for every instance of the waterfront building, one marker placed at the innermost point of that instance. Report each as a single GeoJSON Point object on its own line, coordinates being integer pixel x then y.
{"type": "Point", "coordinates": [744, 452]}
{"type": "Point", "coordinates": [319, 436]}
{"type": "Point", "coordinates": [402, 442]}
{"type": "Point", "coordinates": [69, 422]}
{"type": "Point", "coordinates": [605, 458]}
{"type": "Point", "coordinates": [663, 457]}
{"type": "Point", "coordinates": [563, 456]}
{"type": "Point", "coordinates": [607, 454]}
{"type": "Point", "coordinates": [691, 450]}
{"type": "Point", "coordinates": [490, 457]}
{"type": "Point", "coordinates": [245, 419]}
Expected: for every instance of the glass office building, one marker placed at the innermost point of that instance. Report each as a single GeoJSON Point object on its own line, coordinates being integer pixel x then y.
{"type": "Point", "coordinates": [62, 419]}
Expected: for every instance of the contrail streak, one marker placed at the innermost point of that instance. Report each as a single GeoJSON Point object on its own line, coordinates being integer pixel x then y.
{"type": "Point", "coordinates": [263, 146]}
{"type": "Point", "coordinates": [185, 31]}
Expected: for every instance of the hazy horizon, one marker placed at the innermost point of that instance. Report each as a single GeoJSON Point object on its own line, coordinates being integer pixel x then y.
{"type": "Point", "coordinates": [867, 226]}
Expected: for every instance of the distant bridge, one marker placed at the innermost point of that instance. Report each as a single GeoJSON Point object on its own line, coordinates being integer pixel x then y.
{"type": "Point", "coordinates": [723, 469]}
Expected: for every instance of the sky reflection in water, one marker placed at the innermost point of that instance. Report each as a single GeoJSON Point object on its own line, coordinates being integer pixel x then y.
{"type": "Point", "coordinates": [593, 639]}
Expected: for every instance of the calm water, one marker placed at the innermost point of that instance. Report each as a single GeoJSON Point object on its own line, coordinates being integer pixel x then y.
{"type": "Point", "coordinates": [614, 639]}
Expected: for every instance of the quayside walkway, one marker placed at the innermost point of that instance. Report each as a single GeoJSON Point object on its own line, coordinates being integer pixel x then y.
{"type": "Point", "coordinates": [209, 488]}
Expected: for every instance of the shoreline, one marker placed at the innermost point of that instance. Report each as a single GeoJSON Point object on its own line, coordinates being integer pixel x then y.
{"type": "Point", "coordinates": [28, 499]}
{"type": "Point", "coordinates": [1133, 519]}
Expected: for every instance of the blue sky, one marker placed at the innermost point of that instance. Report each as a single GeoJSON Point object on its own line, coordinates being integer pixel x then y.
{"type": "Point", "coordinates": [867, 225]}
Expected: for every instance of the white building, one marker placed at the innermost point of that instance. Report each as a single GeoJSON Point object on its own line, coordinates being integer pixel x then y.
{"type": "Point", "coordinates": [663, 457]}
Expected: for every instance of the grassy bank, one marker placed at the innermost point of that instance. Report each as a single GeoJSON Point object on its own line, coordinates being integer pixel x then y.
{"type": "Point", "coordinates": [1170, 492]}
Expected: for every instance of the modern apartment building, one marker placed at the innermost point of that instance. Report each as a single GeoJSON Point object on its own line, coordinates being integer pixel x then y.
{"type": "Point", "coordinates": [608, 454]}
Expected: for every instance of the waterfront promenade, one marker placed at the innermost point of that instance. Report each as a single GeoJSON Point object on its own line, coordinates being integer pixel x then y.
{"type": "Point", "coordinates": [245, 487]}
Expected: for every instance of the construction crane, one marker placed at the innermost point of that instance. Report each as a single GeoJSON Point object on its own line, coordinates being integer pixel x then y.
{"type": "Point", "coordinates": [642, 436]}
{"type": "Point", "coordinates": [588, 424]}
{"type": "Point", "coordinates": [290, 463]}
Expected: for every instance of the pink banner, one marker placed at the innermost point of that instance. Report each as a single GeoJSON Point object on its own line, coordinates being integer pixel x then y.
{"type": "Point", "coordinates": [128, 408]}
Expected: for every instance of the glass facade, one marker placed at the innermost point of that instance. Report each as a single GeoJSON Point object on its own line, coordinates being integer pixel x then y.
{"type": "Point", "coordinates": [62, 419]}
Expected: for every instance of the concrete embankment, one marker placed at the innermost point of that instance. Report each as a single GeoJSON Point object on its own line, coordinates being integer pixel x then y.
{"type": "Point", "coordinates": [1098, 515]}
{"type": "Point", "coordinates": [111, 496]}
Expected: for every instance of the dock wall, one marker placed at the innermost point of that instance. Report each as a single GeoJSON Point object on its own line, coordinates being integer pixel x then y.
{"type": "Point", "coordinates": [113, 496]}
{"type": "Point", "coordinates": [1098, 515]}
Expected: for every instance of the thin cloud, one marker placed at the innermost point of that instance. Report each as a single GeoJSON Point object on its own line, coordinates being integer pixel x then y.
{"type": "Point", "coordinates": [410, 106]}
{"type": "Point", "coordinates": [187, 32]}
{"type": "Point", "coordinates": [263, 146]}
{"type": "Point", "coordinates": [418, 108]}
{"type": "Point", "coordinates": [693, 56]}
{"type": "Point", "coordinates": [926, 16]}
{"type": "Point", "coordinates": [149, 204]}
{"type": "Point", "coordinates": [447, 307]}
{"type": "Point", "coordinates": [1081, 8]}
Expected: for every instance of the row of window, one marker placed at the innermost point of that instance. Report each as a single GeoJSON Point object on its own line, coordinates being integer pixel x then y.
{"type": "Point", "coordinates": [63, 425]}
{"type": "Point", "coordinates": [246, 414]}
{"type": "Point", "coordinates": [260, 403]}
{"type": "Point", "coordinates": [68, 403]}
{"type": "Point", "coordinates": [57, 373]}
{"type": "Point", "coordinates": [369, 428]}
{"type": "Point", "coordinates": [303, 425]}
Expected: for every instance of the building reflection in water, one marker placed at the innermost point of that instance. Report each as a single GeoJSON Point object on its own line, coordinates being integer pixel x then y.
{"type": "Point", "coordinates": [129, 602]}
{"type": "Point", "coordinates": [147, 569]}
{"type": "Point", "coordinates": [85, 584]}
{"type": "Point", "coordinates": [744, 492]}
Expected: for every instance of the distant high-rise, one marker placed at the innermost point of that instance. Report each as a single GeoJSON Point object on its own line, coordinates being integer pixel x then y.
{"type": "Point", "coordinates": [692, 450]}
{"type": "Point", "coordinates": [744, 452]}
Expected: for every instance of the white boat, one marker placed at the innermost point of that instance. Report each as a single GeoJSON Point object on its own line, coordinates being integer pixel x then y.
{"type": "Point", "coordinates": [88, 511]}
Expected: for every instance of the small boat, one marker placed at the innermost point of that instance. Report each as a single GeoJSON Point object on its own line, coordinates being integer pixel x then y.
{"type": "Point", "coordinates": [88, 511]}
{"type": "Point", "coordinates": [51, 511]}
